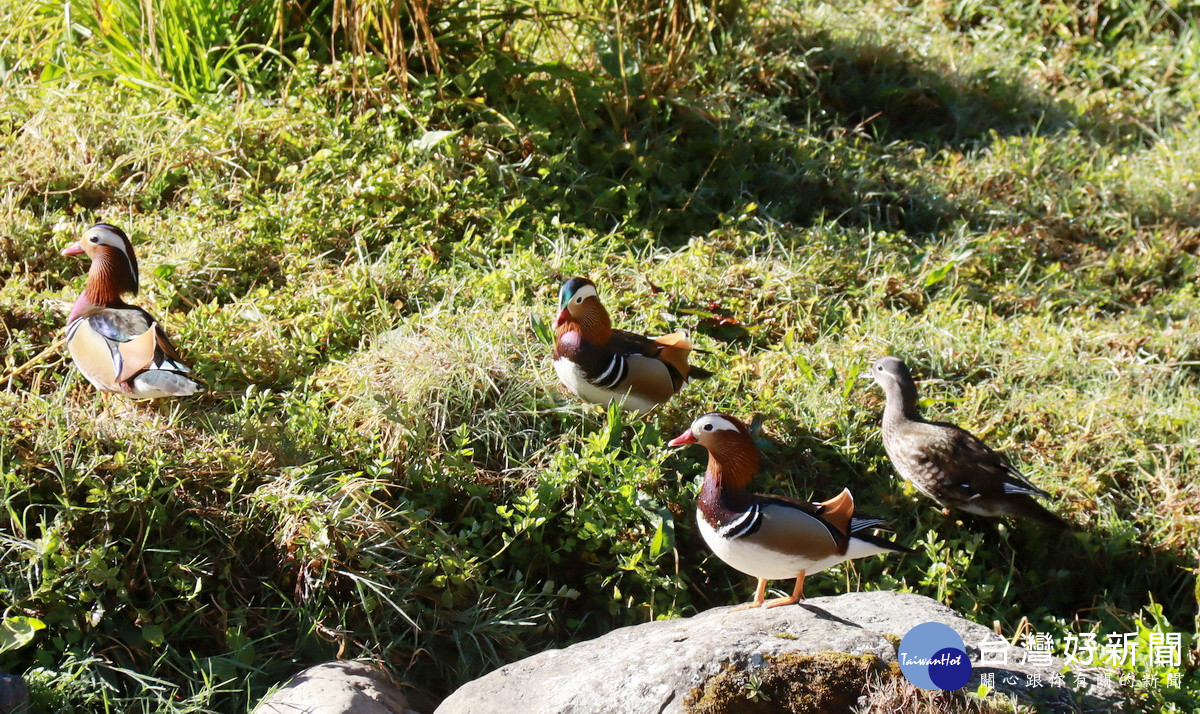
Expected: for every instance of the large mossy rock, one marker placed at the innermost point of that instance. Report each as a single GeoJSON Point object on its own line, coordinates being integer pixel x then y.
{"type": "Point", "coordinates": [827, 654]}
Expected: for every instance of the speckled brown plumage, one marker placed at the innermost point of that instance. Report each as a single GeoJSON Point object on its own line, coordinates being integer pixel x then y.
{"type": "Point", "coordinates": [948, 463]}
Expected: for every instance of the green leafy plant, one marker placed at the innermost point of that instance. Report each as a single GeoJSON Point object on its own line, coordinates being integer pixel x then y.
{"type": "Point", "coordinates": [17, 631]}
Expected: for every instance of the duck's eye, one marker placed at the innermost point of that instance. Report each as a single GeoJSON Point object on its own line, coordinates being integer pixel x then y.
{"type": "Point", "coordinates": [708, 427]}
{"type": "Point", "coordinates": [578, 299]}
{"type": "Point", "coordinates": [95, 239]}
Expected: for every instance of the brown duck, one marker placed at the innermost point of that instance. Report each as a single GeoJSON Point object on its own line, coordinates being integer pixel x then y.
{"type": "Point", "coordinates": [947, 463]}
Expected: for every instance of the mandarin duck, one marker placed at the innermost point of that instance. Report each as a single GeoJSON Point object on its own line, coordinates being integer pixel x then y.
{"type": "Point", "coordinates": [771, 537]}
{"type": "Point", "coordinates": [119, 347]}
{"type": "Point", "coordinates": [599, 364]}
{"type": "Point", "coordinates": [948, 463]}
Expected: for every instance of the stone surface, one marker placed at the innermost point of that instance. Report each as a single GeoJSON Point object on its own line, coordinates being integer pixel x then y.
{"type": "Point", "coordinates": [337, 688]}
{"type": "Point", "coordinates": [14, 695]}
{"type": "Point", "coordinates": [655, 666]}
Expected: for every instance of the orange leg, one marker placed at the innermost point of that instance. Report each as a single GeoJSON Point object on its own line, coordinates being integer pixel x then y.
{"type": "Point", "coordinates": [759, 595]}
{"type": "Point", "coordinates": [797, 594]}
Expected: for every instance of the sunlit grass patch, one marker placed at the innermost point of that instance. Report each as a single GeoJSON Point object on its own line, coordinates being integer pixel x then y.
{"type": "Point", "coordinates": [467, 369]}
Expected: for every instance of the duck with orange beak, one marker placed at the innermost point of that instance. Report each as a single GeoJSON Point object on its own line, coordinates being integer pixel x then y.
{"type": "Point", "coordinates": [771, 537]}
{"type": "Point", "coordinates": [118, 347]}
{"type": "Point", "coordinates": [600, 365]}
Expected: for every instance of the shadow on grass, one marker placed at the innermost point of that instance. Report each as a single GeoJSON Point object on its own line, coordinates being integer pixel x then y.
{"type": "Point", "coordinates": [1121, 575]}
{"type": "Point", "coordinates": [1118, 579]}
{"type": "Point", "coordinates": [830, 129]}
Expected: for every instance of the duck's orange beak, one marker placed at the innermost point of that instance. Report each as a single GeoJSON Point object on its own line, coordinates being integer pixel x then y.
{"type": "Point", "coordinates": [76, 249]}
{"type": "Point", "coordinates": [683, 439]}
{"type": "Point", "coordinates": [563, 316]}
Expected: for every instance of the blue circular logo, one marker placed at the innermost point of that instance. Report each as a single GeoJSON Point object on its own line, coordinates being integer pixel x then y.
{"type": "Point", "coordinates": [933, 656]}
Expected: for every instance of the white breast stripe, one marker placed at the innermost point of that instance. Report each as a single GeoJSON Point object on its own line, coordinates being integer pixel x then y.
{"type": "Point", "coordinates": [612, 364]}
{"type": "Point", "coordinates": [624, 372]}
{"type": "Point", "coordinates": [622, 369]}
{"type": "Point", "coordinates": [744, 524]}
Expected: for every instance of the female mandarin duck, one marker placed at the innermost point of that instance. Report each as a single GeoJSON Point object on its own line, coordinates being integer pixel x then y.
{"type": "Point", "coordinates": [599, 364]}
{"type": "Point", "coordinates": [771, 537]}
{"type": "Point", "coordinates": [947, 463]}
{"type": "Point", "coordinates": [119, 347]}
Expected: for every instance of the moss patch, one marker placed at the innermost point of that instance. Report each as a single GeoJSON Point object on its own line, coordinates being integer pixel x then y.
{"type": "Point", "coordinates": [825, 682]}
{"type": "Point", "coordinates": [828, 682]}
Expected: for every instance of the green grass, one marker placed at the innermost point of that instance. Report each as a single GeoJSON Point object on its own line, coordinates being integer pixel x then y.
{"type": "Point", "coordinates": [349, 244]}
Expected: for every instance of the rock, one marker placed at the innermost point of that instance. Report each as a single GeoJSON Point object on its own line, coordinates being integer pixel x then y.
{"type": "Point", "coordinates": [828, 654]}
{"type": "Point", "coordinates": [337, 688]}
{"type": "Point", "coordinates": [14, 695]}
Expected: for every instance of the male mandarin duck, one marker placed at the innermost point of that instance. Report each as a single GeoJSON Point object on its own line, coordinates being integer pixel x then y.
{"type": "Point", "coordinates": [119, 347]}
{"type": "Point", "coordinates": [599, 364]}
{"type": "Point", "coordinates": [947, 463]}
{"type": "Point", "coordinates": [771, 537]}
